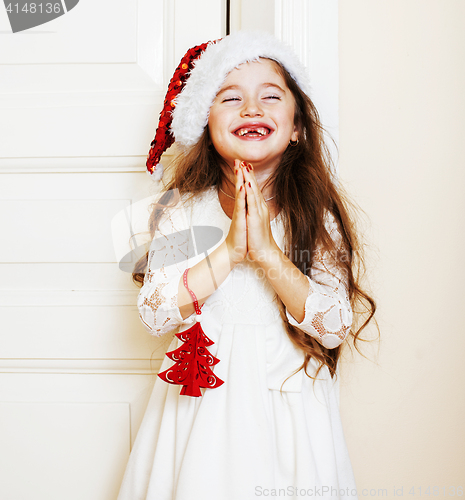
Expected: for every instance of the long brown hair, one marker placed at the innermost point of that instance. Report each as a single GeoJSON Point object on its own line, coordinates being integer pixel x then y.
{"type": "Point", "coordinates": [304, 191]}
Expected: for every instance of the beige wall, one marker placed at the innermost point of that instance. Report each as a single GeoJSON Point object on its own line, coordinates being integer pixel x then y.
{"type": "Point", "coordinates": [402, 156]}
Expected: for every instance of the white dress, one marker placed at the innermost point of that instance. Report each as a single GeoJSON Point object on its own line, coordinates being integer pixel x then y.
{"type": "Point", "coordinates": [252, 436]}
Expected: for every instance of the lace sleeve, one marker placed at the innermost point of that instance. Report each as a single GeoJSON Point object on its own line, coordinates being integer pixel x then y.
{"type": "Point", "coordinates": [328, 313]}
{"type": "Point", "coordinates": [170, 254]}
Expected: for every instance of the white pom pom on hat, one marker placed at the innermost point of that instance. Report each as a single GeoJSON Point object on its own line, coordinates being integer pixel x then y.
{"type": "Point", "coordinates": [208, 71]}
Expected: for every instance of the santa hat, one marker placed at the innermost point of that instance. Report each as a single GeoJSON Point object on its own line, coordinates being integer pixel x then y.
{"type": "Point", "coordinates": [199, 77]}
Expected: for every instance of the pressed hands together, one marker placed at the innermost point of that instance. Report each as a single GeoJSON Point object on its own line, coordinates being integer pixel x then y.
{"type": "Point", "coordinates": [250, 234]}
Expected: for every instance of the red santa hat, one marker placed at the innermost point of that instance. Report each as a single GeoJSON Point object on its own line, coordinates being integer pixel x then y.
{"type": "Point", "coordinates": [199, 77]}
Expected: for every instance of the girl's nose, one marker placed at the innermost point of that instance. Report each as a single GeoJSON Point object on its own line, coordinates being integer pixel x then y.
{"type": "Point", "coordinates": [251, 107]}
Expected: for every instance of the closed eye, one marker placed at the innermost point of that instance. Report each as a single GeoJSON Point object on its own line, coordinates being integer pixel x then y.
{"type": "Point", "coordinates": [273, 97]}
{"type": "Point", "coordinates": [231, 99]}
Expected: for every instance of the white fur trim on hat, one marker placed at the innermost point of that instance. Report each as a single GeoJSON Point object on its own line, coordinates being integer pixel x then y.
{"type": "Point", "coordinates": [193, 104]}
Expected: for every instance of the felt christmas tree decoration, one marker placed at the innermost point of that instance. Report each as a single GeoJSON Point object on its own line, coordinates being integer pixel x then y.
{"type": "Point", "coordinates": [193, 362]}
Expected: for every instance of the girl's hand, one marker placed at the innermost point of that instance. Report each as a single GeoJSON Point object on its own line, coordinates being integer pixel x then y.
{"type": "Point", "coordinates": [236, 241]}
{"type": "Point", "coordinates": [260, 241]}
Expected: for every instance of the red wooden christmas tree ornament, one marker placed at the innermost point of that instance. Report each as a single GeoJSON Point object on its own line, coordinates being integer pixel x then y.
{"type": "Point", "coordinates": [193, 361]}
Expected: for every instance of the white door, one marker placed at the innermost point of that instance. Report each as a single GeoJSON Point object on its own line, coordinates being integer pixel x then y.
{"type": "Point", "coordinates": [79, 101]}
{"type": "Point", "coordinates": [80, 98]}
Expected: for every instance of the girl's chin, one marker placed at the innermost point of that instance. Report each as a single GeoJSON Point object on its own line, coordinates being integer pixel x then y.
{"type": "Point", "coordinates": [258, 161]}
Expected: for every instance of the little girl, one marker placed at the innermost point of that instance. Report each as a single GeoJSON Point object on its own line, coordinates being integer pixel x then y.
{"type": "Point", "coordinates": [246, 403]}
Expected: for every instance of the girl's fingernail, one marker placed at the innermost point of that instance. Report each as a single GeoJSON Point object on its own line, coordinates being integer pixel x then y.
{"type": "Point", "coordinates": [240, 189]}
{"type": "Point", "coordinates": [243, 164]}
{"type": "Point", "coordinates": [250, 185]}
{"type": "Point", "coordinates": [251, 166]}
{"type": "Point", "coordinates": [236, 171]}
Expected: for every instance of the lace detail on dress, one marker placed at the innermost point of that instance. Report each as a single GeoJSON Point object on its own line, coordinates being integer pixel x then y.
{"type": "Point", "coordinates": [246, 295]}
{"type": "Point", "coordinates": [328, 313]}
{"type": "Point", "coordinates": [155, 300]}
{"type": "Point", "coordinates": [168, 258]}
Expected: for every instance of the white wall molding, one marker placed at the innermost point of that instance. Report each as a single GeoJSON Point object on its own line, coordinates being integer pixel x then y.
{"type": "Point", "coordinates": [66, 298]}
{"type": "Point", "coordinates": [311, 28]}
{"type": "Point", "coordinates": [73, 164]}
{"type": "Point", "coordinates": [151, 18]}
{"type": "Point", "coordinates": [96, 164]}
{"type": "Point", "coordinates": [108, 164]}
{"type": "Point", "coordinates": [81, 366]}
{"type": "Point", "coordinates": [169, 63]}
{"type": "Point", "coordinates": [69, 98]}
{"type": "Point", "coordinates": [292, 25]}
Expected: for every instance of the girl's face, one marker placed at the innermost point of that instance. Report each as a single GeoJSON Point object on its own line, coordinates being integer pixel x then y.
{"type": "Point", "coordinates": [252, 117]}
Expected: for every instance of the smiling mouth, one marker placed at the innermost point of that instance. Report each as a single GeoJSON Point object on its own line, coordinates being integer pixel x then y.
{"type": "Point", "coordinates": [252, 132]}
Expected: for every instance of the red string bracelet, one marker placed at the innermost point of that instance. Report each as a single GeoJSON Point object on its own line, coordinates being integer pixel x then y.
{"type": "Point", "coordinates": [198, 312]}
{"type": "Point", "coordinates": [193, 361]}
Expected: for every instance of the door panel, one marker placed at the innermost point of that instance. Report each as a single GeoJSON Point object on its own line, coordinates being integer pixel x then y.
{"type": "Point", "coordinates": [62, 450]}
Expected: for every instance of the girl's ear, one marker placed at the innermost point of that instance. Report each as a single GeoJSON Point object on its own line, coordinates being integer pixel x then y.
{"type": "Point", "coordinates": [295, 134]}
